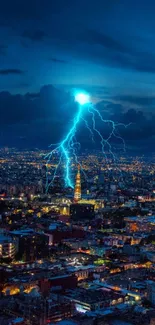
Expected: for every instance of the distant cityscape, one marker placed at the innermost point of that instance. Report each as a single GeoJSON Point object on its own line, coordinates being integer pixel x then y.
{"type": "Point", "coordinates": [77, 256]}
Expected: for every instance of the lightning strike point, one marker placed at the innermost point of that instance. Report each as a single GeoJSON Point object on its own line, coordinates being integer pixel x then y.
{"type": "Point", "coordinates": [82, 98]}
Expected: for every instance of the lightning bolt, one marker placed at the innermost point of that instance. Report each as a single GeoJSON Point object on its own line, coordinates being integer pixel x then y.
{"type": "Point", "coordinates": [68, 147]}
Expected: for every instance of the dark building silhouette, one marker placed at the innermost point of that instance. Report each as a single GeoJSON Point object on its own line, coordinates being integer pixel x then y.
{"type": "Point", "coordinates": [81, 211]}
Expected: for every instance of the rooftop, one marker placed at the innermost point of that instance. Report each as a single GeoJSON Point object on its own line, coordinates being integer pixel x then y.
{"type": "Point", "coordinates": [4, 238]}
{"type": "Point", "coordinates": [92, 296]}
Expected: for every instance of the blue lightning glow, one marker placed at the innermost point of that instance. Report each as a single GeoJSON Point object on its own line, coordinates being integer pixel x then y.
{"type": "Point", "coordinates": [67, 148]}
{"type": "Point", "coordinates": [82, 98]}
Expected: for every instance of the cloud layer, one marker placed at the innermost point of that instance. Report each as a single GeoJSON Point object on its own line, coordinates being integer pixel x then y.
{"type": "Point", "coordinates": [105, 47]}
{"type": "Point", "coordinates": [5, 72]}
{"type": "Point", "coordinates": [38, 119]}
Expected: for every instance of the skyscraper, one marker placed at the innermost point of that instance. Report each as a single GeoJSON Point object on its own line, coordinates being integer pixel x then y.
{"type": "Point", "coordinates": [77, 189]}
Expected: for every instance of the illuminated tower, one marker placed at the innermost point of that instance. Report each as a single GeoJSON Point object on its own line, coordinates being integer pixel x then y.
{"type": "Point", "coordinates": [77, 190]}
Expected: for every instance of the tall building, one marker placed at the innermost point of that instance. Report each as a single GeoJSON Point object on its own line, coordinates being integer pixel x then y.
{"type": "Point", "coordinates": [151, 291]}
{"type": "Point", "coordinates": [31, 245]}
{"type": "Point", "coordinates": [8, 247]}
{"type": "Point", "coordinates": [77, 190]}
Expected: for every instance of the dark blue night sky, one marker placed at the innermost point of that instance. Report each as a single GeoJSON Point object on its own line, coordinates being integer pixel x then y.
{"type": "Point", "coordinates": [106, 47]}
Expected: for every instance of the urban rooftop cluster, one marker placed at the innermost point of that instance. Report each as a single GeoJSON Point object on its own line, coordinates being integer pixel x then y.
{"type": "Point", "coordinates": [82, 255]}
